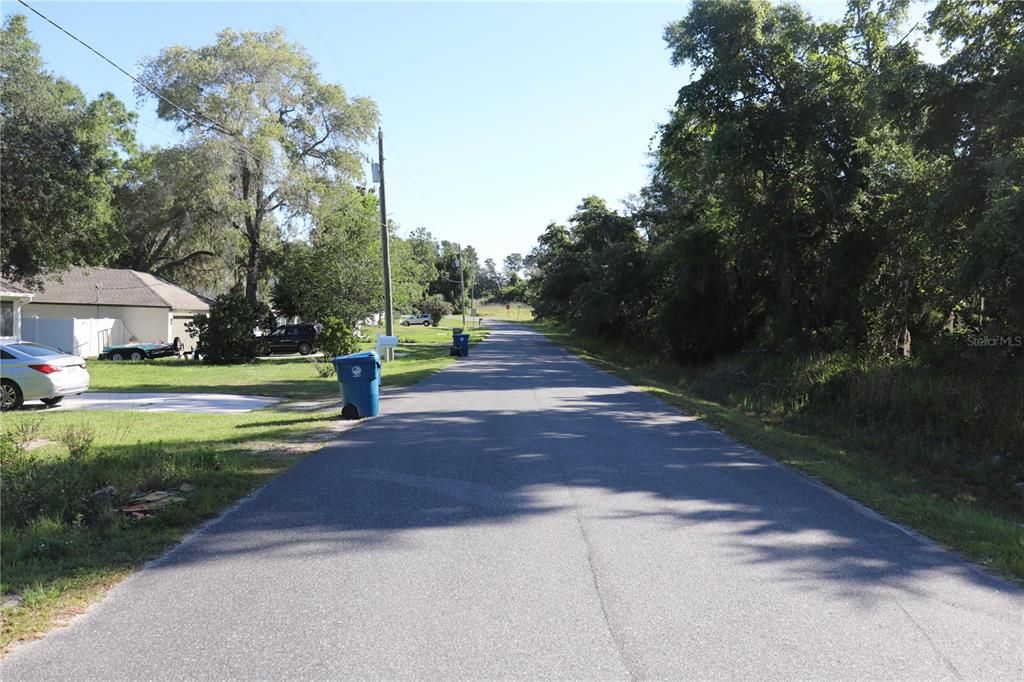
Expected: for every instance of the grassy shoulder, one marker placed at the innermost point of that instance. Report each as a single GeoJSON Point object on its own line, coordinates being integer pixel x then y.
{"type": "Point", "coordinates": [987, 531]}
{"type": "Point", "coordinates": [63, 545]}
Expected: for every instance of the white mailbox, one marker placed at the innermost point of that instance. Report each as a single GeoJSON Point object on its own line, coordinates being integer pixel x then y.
{"type": "Point", "coordinates": [384, 346]}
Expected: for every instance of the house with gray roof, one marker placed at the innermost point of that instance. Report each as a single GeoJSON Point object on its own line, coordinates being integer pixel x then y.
{"type": "Point", "coordinates": [84, 309]}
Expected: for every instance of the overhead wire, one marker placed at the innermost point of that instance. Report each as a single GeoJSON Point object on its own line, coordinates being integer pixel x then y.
{"type": "Point", "coordinates": [202, 119]}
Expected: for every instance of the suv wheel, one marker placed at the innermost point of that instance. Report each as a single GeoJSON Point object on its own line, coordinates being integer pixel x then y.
{"type": "Point", "coordinates": [426, 323]}
{"type": "Point", "coordinates": [10, 395]}
{"type": "Point", "coordinates": [138, 355]}
{"type": "Point", "coordinates": [305, 348]}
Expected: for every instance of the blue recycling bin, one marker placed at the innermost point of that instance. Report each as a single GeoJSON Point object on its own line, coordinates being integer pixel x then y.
{"type": "Point", "coordinates": [461, 341]}
{"type": "Point", "coordinates": [359, 382]}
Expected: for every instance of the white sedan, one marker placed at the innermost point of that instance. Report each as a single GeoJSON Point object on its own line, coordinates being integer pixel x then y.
{"type": "Point", "coordinates": [422, 318]}
{"type": "Point", "coordinates": [30, 371]}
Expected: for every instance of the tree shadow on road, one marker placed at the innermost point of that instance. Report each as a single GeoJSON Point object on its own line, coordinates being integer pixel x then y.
{"type": "Point", "coordinates": [501, 437]}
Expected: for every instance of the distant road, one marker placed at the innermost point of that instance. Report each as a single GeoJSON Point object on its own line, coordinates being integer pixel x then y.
{"type": "Point", "coordinates": [523, 515]}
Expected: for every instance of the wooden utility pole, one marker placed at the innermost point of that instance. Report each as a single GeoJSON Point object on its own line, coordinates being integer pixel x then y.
{"type": "Point", "coordinates": [384, 240]}
{"type": "Point", "coordinates": [462, 286]}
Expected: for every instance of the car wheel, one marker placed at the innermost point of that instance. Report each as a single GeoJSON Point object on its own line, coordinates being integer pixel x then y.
{"type": "Point", "coordinates": [305, 348]}
{"type": "Point", "coordinates": [138, 355]}
{"type": "Point", "coordinates": [426, 323]}
{"type": "Point", "coordinates": [55, 400]}
{"type": "Point", "coordinates": [116, 357]}
{"type": "Point", "coordinates": [10, 395]}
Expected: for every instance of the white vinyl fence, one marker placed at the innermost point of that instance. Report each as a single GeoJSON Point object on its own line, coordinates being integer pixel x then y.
{"type": "Point", "coordinates": [85, 337]}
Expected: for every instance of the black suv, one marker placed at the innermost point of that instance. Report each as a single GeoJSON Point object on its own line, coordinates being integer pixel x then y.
{"type": "Point", "coordinates": [291, 338]}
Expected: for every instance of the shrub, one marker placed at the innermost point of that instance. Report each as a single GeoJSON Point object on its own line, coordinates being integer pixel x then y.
{"type": "Point", "coordinates": [323, 368]}
{"type": "Point", "coordinates": [336, 338]}
{"type": "Point", "coordinates": [226, 334]}
{"type": "Point", "coordinates": [436, 307]}
{"type": "Point", "coordinates": [78, 440]}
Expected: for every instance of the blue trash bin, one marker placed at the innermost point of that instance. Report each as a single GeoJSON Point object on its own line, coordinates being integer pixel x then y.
{"type": "Point", "coordinates": [359, 382]}
{"type": "Point", "coordinates": [461, 342]}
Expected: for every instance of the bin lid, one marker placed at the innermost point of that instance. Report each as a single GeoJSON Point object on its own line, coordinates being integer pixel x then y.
{"type": "Point", "coordinates": [356, 358]}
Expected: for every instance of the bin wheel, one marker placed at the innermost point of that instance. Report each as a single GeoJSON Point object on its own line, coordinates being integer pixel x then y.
{"type": "Point", "coordinates": [349, 412]}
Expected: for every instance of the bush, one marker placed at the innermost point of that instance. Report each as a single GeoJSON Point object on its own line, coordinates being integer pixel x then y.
{"type": "Point", "coordinates": [227, 333]}
{"type": "Point", "coordinates": [336, 338]}
{"type": "Point", "coordinates": [961, 426]}
{"type": "Point", "coordinates": [436, 307]}
{"type": "Point", "coordinates": [35, 486]}
{"type": "Point", "coordinates": [323, 368]}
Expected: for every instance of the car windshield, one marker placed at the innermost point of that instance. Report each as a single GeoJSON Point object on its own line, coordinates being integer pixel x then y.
{"type": "Point", "coordinates": [34, 349]}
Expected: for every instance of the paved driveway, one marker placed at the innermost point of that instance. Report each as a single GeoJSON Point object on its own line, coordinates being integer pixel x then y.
{"type": "Point", "coordinates": [523, 515]}
{"type": "Point", "coordinates": [222, 403]}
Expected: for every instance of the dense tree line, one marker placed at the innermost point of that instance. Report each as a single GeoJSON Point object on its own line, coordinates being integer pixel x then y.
{"type": "Point", "coordinates": [817, 186]}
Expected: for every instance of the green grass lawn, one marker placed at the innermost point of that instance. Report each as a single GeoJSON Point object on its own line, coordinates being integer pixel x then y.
{"type": "Point", "coordinates": [422, 351]}
{"type": "Point", "coordinates": [518, 312]}
{"type": "Point", "coordinates": [983, 531]}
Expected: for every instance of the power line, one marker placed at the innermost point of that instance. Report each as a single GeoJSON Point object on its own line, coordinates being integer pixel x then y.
{"type": "Point", "coordinates": [330, 51]}
{"type": "Point", "coordinates": [202, 119]}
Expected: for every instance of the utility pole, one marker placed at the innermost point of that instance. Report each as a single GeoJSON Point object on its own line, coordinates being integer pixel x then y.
{"type": "Point", "coordinates": [384, 242]}
{"type": "Point", "coordinates": [462, 281]}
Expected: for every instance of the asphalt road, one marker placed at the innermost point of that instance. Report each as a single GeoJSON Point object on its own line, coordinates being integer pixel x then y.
{"type": "Point", "coordinates": [523, 515]}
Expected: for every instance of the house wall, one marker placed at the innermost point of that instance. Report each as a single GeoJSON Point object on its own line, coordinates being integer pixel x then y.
{"type": "Point", "coordinates": [178, 322]}
{"type": "Point", "coordinates": [143, 324]}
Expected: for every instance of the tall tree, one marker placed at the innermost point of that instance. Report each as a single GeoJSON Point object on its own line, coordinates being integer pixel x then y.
{"type": "Point", "coordinates": [489, 281]}
{"type": "Point", "coordinates": [336, 273]}
{"type": "Point", "coordinates": [978, 111]}
{"type": "Point", "coordinates": [413, 268]}
{"type": "Point", "coordinates": [61, 156]}
{"type": "Point", "coordinates": [591, 274]}
{"type": "Point", "coordinates": [167, 217]}
{"type": "Point", "coordinates": [289, 136]}
{"type": "Point", "coordinates": [449, 271]}
{"type": "Point", "coordinates": [513, 265]}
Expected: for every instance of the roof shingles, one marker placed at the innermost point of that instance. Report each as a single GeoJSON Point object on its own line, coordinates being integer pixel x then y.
{"type": "Point", "coordinates": [12, 288]}
{"type": "Point", "coordinates": [109, 286]}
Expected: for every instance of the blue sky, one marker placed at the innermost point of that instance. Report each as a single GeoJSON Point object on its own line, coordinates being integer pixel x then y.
{"type": "Point", "coordinates": [498, 118]}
